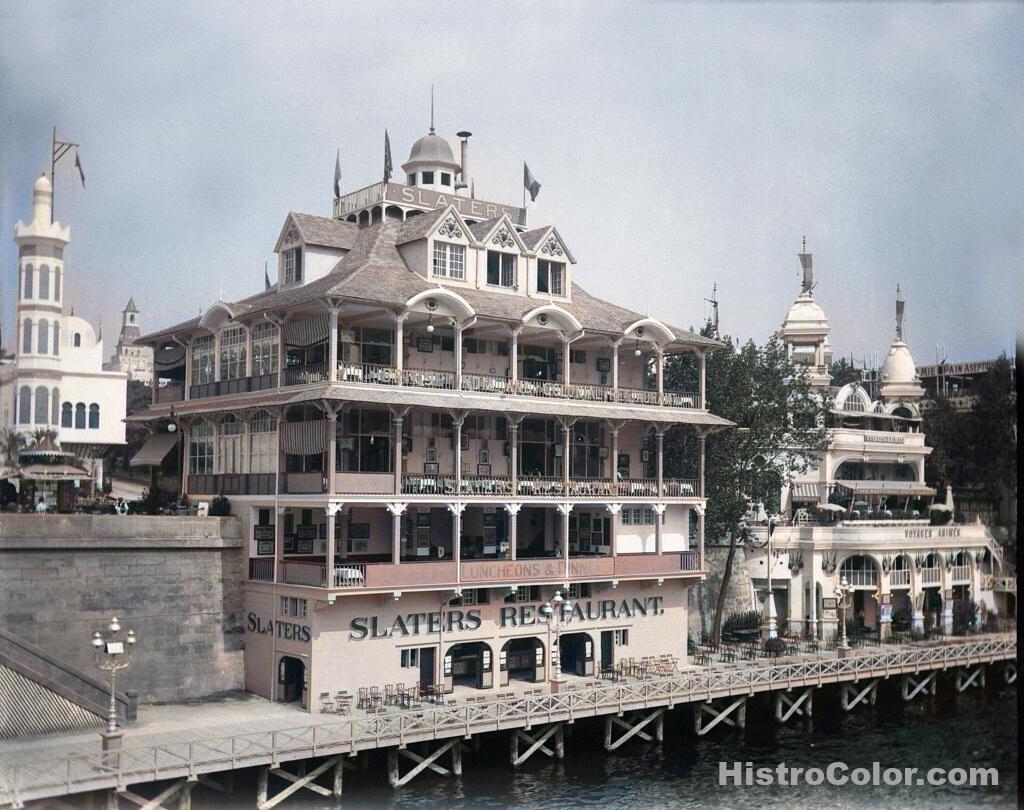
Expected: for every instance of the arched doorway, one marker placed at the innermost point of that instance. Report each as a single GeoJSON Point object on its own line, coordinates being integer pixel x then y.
{"type": "Point", "coordinates": [861, 572]}
{"type": "Point", "coordinates": [291, 679]}
{"type": "Point", "coordinates": [468, 665]}
{"type": "Point", "coordinates": [522, 659]}
{"type": "Point", "coordinates": [576, 654]}
{"type": "Point", "coordinates": [932, 608]}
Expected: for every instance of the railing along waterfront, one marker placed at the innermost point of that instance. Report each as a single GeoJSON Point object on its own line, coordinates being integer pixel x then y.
{"type": "Point", "coordinates": [88, 770]}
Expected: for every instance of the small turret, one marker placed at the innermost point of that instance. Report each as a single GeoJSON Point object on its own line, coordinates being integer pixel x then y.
{"type": "Point", "coordinates": [42, 200]}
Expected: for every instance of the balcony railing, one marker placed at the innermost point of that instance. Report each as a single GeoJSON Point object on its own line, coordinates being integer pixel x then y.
{"type": "Point", "coordinates": [444, 572]}
{"type": "Point", "coordinates": [444, 379]}
{"type": "Point", "coordinates": [305, 375]}
{"type": "Point", "coordinates": [931, 576]}
{"type": "Point", "coordinates": [541, 485]}
{"type": "Point", "coordinates": [961, 574]}
{"type": "Point", "coordinates": [417, 484]}
{"type": "Point", "coordinates": [261, 569]}
{"type": "Point", "coordinates": [637, 487]}
{"type": "Point", "coordinates": [485, 485]}
{"type": "Point", "coordinates": [232, 484]}
{"type": "Point", "coordinates": [172, 392]}
{"type": "Point", "coordinates": [547, 486]}
{"type": "Point", "coordinates": [899, 577]}
{"type": "Point", "coordinates": [240, 385]}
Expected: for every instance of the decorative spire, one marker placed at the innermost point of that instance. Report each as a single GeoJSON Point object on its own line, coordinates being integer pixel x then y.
{"type": "Point", "coordinates": [431, 109]}
{"type": "Point", "coordinates": [713, 320]}
{"type": "Point", "coordinates": [899, 314]}
{"type": "Point", "coordinates": [808, 267]}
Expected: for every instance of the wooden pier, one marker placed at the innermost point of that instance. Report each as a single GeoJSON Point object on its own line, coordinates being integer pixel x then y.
{"type": "Point", "coordinates": [629, 707]}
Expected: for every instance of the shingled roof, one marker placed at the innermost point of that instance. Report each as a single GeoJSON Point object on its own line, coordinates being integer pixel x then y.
{"type": "Point", "coordinates": [325, 232]}
{"type": "Point", "coordinates": [373, 271]}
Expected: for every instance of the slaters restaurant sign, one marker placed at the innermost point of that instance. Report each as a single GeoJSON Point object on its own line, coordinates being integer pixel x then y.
{"type": "Point", "coordinates": [474, 209]}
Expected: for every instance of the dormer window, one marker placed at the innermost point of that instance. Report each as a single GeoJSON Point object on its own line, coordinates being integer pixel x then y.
{"type": "Point", "coordinates": [501, 269]}
{"type": "Point", "coordinates": [449, 260]}
{"type": "Point", "coordinates": [428, 178]}
{"type": "Point", "coordinates": [293, 266]}
{"type": "Point", "coordinates": [550, 277]}
{"type": "Point", "coordinates": [446, 178]}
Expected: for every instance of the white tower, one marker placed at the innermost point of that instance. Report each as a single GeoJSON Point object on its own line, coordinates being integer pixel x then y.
{"type": "Point", "coordinates": [805, 330]}
{"type": "Point", "coordinates": [41, 281]}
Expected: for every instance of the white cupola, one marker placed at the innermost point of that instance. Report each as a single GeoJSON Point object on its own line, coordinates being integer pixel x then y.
{"type": "Point", "coordinates": [898, 374]}
{"type": "Point", "coordinates": [805, 330]}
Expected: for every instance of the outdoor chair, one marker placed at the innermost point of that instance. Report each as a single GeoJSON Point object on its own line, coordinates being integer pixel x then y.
{"type": "Point", "coordinates": [364, 698]}
{"type": "Point", "coordinates": [326, 704]}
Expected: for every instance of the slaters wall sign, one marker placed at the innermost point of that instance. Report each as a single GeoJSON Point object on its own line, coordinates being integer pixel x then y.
{"type": "Point", "coordinates": [474, 209]}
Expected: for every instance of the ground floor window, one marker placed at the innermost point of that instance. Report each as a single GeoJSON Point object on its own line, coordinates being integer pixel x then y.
{"type": "Point", "coordinates": [622, 638]}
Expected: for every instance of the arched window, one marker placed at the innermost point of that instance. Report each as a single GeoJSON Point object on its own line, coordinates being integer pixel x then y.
{"type": "Point", "coordinates": [65, 415]}
{"type": "Point", "coordinates": [44, 282]}
{"type": "Point", "coordinates": [56, 284]}
{"type": "Point", "coordinates": [94, 416]}
{"type": "Point", "coordinates": [26, 336]}
{"type": "Point", "coordinates": [55, 407]}
{"type": "Point", "coordinates": [56, 338]}
{"type": "Point", "coordinates": [232, 353]}
{"type": "Point", "coordinates": [80, 416]}
{"type": "Point", "coordinates": [262, 442]}
{"type": "Point", "coordinates": [28, 280]}
{"type": "Point", "coordinates": [25, 406]}
{"type": "Point", "coordinates": [43, 336]}
{"type": "Point", "coordinates": [264, 349]}
{"type": "Point", "coordinates": [859, 571]}
{"type": "Point", "coordinates": [78, 339]}
{"type": "Point", "coordinates": [42, 405]}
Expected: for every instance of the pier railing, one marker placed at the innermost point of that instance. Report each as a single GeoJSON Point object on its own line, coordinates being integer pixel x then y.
{"type": "Point", "coordinates": [95, 770]}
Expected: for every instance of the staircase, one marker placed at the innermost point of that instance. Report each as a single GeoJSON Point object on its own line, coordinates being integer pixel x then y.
{"type": "Point", "coordinates": [40, 694]}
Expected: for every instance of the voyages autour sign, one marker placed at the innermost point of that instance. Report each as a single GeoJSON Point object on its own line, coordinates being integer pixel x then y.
{"type": "Point", "coordinates": [432, 622]}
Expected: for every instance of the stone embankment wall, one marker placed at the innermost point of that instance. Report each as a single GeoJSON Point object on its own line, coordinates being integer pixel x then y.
{"type": "Point", "coordinates": [703, 598]}
{"type": "Point", "coordinates": [176, 581]}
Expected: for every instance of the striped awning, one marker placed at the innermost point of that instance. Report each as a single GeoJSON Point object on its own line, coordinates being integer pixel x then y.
{"type": "Point", "coordinates": [304, 438]}
{"type": "Point", "coordinates": [153, 452]}
{"type": "Point", "coordinates": [307, 331]}
{"type": "Point", "coordinates": [54, 472]}
{"type": "Point", "coordinates": [905, 488]}
{"type": "Point", "coordinates": [806, 492]}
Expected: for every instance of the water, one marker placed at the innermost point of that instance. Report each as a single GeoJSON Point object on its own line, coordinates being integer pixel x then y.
{"type": "Point", "coordinates": [973, 729]}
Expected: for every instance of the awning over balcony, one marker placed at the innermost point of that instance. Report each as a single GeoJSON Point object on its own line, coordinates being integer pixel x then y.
{"type": "Point", "coordinates": [307, 331]}
{"type": "Point", "coordinates": [155, 450]}
{"type": "Point", "coordinates": [304, 438]}
{"type": "Point", "coordinates": [807, 492]}
{"type": "Point", "coordinates": [904, 488]}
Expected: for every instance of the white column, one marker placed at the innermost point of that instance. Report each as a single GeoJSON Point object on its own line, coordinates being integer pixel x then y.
{"type": "Point", "coordinates": [566, 449]}
{"type": "Point", "coordinates": [397, 419]}
{"type": "Point", "coordinates": [332, 447]}
{"type": "Point", "coordinates": [615, 454]}
{"type": "Point", "coordinates": [659, 511]}
{"type": "Point", "coordinates": [457, 421]}
{"type": "Point", "coordinates": [700, 536]}
{"type": "Point", "coordinates": [700, 483]}
{"type": "Point", "coordinates": [396, 510]}
{"type": "Point", "coordinates": [280, 352]}
{"type": "Point", "coordinates": [659, 359]}
{"type": "Point", "coordinates": [614, 509]}
{"type": "Point", "coordinates": [703, 374]}
{"type": "Point", "coordinates": [513, 356]}
{"type": "Point", "coordinates": [331, 520]}
{"type": "Point", "coordinates": [564, 509]}
{"type": "Point", "coordinates": [399, 344]}
{"type": "Point", "coordinates": [456, 510]}
{"type": "Point", "coordinates": [566, 362]}
{"type": "Point", "coordinates": [458, 356]}
{"type": "Point", "coordinates": [216, 356]}
{"type": "Point", "coordinates": [332, 348]}
{"type": "Point", "coordinates": [248, 350]}
{"type": "Point", "coordinates": [188, 369]}
{"type": "Point", "coordinates": [659, 436]}
{"type": "Point", "coordinates": [513, 438]}
{"type": "Point", "coordinates": [615, 363]}
{"type": "Point", "coordinates": [513, 527]}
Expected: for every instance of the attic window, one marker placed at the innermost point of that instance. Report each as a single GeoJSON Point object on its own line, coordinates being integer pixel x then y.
{"type": "Point", "coordinates": [293, 266]}
{"type": "Point", "coordinates": [550, 277]}
{"type": "Point", "coordinates": [428, 178]}
{"type": "Point", "coordinates": [446, 179]}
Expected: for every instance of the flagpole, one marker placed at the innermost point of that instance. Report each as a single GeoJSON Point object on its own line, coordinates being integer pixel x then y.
{"type": "Point", "coordinates": [53, 180]}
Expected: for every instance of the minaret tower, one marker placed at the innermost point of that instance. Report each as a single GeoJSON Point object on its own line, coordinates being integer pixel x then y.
{"type": "Point", "coordinates": [129, 323]}
{"type": "Point", "coordinates": [41, 283]}
{"type": "Point", "coordinates": [805, 330]}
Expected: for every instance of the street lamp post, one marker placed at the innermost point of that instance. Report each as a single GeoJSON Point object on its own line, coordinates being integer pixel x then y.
{"type": "Point", "coordinates": [554, 611]}
{"type": "Point", "coordinates": [772, 624]}
{"type": "Point", "coordinates": [112, 655]}
{"type": "Point", "coordinates": [843, 602]}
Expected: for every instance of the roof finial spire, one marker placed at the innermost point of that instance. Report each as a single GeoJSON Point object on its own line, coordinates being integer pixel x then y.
{"type": "Point", "coordinates": [805, 244]}
{"type": "Point", "coordinates": [431, 109]}
{"type": "Point", "coordinates": [899, 314]}
{"type": "Point", "coordinates": [713, 320]}
{"type": "Point", "coordinates": [807, 266]}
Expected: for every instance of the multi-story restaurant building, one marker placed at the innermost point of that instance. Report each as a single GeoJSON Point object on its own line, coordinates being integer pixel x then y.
{"type": "Point", "coordinates": [428, 427]}
{"type": "Point", "coordinates": [863, 511]}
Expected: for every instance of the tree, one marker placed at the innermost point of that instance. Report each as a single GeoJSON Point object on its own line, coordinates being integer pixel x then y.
{"type": "Point", "coordinates": [12, 442]}
{"type": "Point", "coordinates": [778, 430]}
{"type": "Point", "coordinates": [841, 372]}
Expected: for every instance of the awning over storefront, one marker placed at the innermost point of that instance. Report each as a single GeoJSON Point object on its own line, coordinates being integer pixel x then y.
{"type": "Point", "coordinates": [54, 472]}
{"type": "Point", "coordinates": [154, 450]}
{"type": "Point", "coordinates": [904, 488]}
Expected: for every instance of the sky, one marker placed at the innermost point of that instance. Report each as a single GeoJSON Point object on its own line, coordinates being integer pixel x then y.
{"type": "Point", "coordinates": [679, 146]}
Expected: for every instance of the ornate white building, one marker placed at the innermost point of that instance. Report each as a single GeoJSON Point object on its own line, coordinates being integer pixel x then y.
{"type": "Point", "coordinates": [863, 511]}
{"type": "Point", "coordinates": [132, 358]}
{"type": "Point", "coordinates": [57, 379]}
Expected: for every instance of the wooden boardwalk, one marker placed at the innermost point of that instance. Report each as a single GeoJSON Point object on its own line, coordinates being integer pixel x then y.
{"type": "Point", "coordinates": [314, 736]}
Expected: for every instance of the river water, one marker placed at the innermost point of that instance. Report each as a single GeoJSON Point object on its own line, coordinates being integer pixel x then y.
{"type": "Point", "coordinates": [976, 729]}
